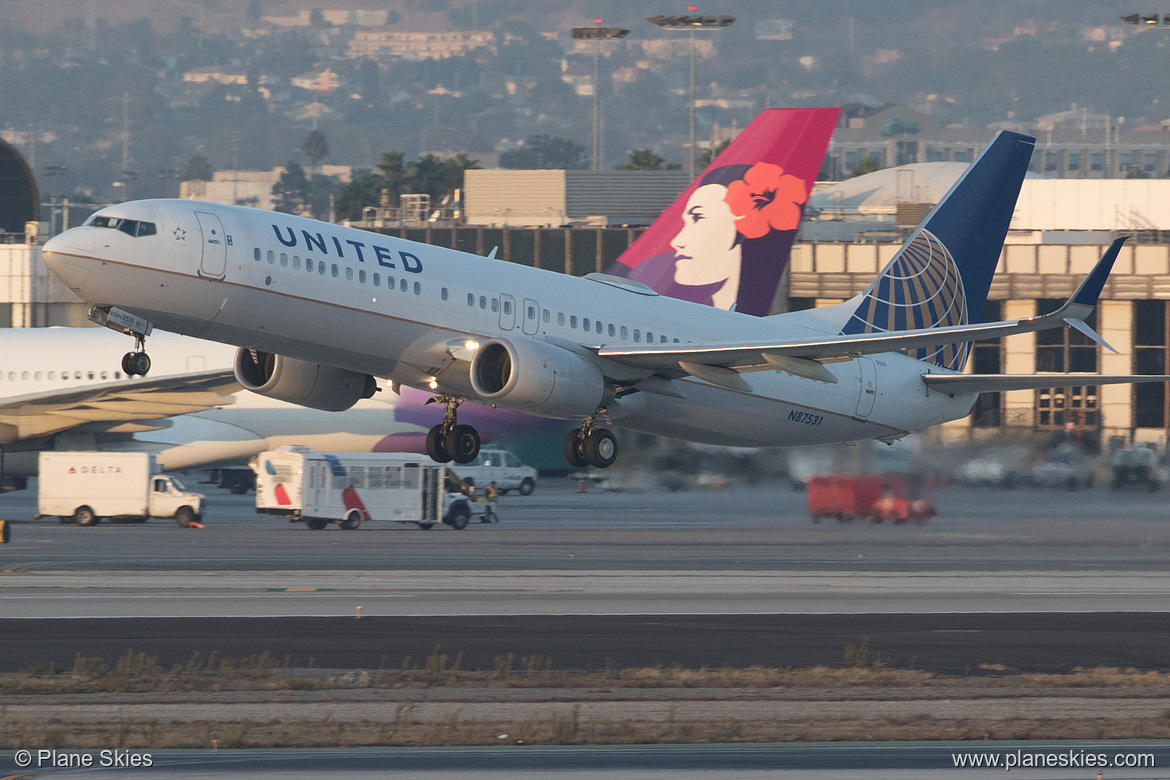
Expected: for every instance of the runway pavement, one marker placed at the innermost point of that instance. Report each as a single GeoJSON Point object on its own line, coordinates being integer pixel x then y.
{"type": "Point", "coordinates": [1027, 578]}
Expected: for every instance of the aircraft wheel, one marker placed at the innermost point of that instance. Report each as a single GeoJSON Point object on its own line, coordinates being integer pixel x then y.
{"type": "Point", "coordinates": [128, 364]}
{"type": "Point", "coordinates": [436, 447]}
{"type": "Point", "coordinates": [575, 449]}
{"type": "Point", "coordinates": [462, 443]}
{"type": "Point", "coordinates": [141, 363]}
{"type": "Point", "coordinates": [601, 448]}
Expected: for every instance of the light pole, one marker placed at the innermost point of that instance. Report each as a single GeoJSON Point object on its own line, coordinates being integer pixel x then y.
{"type": "Point", "coordinates": [597, 35]}
{"type": "Point", "coordinates": [692, 24]}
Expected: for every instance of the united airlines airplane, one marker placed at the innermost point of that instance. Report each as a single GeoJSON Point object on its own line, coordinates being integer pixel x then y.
{"type": "Point", "coordinates": [318, 311]}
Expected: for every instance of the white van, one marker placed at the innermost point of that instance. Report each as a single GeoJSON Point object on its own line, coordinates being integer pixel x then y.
{"type": "Point", "coordinates": [499, 466]}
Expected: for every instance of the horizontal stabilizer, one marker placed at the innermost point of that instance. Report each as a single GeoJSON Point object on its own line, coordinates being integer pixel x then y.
{"type": "Point", "coordinates": [965, 384]}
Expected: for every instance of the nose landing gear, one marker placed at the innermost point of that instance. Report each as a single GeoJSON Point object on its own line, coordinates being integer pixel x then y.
{"type": "Point", "coordinates": [590, 446]}
{"type": "Point", "coordinates": [450, 441]}
{"type": "Point", "coordinates": [137, 363]}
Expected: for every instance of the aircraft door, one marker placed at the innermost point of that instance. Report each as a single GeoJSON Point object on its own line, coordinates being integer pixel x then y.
{"type": "Point", "coordinates": [868, 391]}
{"type": "Point", "coordinates": [507, 312]}
{"type": "Point", "coordinates": [214, 260]}
{"type": "Point", "coordinates": [531, 317]}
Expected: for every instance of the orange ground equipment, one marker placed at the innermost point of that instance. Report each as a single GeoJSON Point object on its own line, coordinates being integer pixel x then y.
{"type": "Point", "coordinates": [876, 498]}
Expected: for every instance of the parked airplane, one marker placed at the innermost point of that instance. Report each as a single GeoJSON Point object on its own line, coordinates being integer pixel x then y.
{"type": "Point", "coordinates": [340, 307]}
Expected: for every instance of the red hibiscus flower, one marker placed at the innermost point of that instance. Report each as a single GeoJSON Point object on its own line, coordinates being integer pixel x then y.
{"type": "Point", "coordinates": [766, 199]}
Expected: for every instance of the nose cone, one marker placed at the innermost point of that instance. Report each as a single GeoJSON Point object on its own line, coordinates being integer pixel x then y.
{"type": "Point", "coordinates": [70, 255]}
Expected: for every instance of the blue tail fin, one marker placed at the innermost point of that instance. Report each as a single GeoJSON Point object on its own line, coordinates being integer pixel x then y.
{"type": "Point", "coordinates": [943, 272]}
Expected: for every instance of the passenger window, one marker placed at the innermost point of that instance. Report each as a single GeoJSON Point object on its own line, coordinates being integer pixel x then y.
{"type": "Point", "coordinates": [444, 294]}
{"type": "Point", "coordinates": [573, 321]}
{"type": "Point", "coordinates": [662, 339]}
{"type": "Point", "coordinates": [482, 302]}
{"type": "Point", "coordinates": [531, 312]}
{"type": "Point", "coordinates": [637, 335]}
{"type": "Point", "coordinates": [585, 324]}
{"type": "Point", "coordinates": [402, 285]}
{"type": "Point", "coordinates": [296, 262]}
{"type": "Point", "coordinates": [38, 376]}
{"type": "Point", "coordinates": [256, 253]}
{"type": "Point", "coordinates": [547, 315]}
{"type": "Point", "coordinates": [336, 271]}
{"type": "Point", "coordinates": [417, 288]}
{"type": "Point", "coordinates": [52, 375]}
{"type": "Point", "coordinates": [12, 376]}
{"type": "Point", "coordinates": [362, 276]}
{"type": "Point", "coordinates": [284, 259]}
{"type": "Point", "coordinates": [271, 257]}
{"type": "Point", "coordinates": [309, 264]}
{"type": "Point", "coordinates": [612, 330]}
{"type": "Point", "coordinates": [649, 337]}
{"type": "Point", "coordinates": [377, 279]}
{"type": "Point", "coordinates": [470, 299]}
{"type": "Point", "coordinates": [495, 304]}
{"type": "Point", "coordinates": [597, 327]}
{"type": "Point", "coordinates": [348, 274]}
{"type": "Point", "coordinates": [676, 341]}
{"type": "Point", "coordinates": [321, 268]}
{"type": "Point", "coordinates": [560, 318]}
{"type": "Point", "coordinates": [507, 307]}
{"type": "Point", "coordinates": [625, 332]}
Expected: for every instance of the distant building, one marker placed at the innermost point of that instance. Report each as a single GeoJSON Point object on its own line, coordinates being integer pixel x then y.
{"type": "Point", "coordinates": [555, 197]}
{"type": "Point", "coordinates": [214, 75]}
{"type": "Point", "coordinates": [1072, 145]}
{"type": "Point", "coordinates": [325, 81]}
{"type": "Point", "coordinates": [418, 45]}
{"type": "Point", "coordinates": [248, 188]}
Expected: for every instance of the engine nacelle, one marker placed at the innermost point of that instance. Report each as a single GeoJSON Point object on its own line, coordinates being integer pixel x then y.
{"type": "Point", "coordinates": [299, 382]}
{"type": "Point", "coordinates": [534, 376]}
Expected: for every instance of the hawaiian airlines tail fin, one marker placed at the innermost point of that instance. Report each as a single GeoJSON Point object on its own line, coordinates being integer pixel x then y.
{"type": "Point", "coordinates": [941, 275]}
{"type": "Point", "coordinates": [725, 240]}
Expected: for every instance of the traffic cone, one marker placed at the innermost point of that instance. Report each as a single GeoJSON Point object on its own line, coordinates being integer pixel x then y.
{"type": "Point", "coordinates": [581, 486]}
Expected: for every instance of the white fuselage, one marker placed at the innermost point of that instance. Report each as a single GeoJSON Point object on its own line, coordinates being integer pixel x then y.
{"type": "Point", "coordinates": [391, 308]}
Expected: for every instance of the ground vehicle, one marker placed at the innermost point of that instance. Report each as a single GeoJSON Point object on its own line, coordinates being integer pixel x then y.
{"type": "Point", "coordinates": [499, 466]}
{"type": "Point", "coordinates": [82, 487]}
{"type": "Point", "coordinates": [349, 489]}
{"type": "Point", "coordinates": [873, 497]}
{"type": "Point", "coordinates": [1135, 464]}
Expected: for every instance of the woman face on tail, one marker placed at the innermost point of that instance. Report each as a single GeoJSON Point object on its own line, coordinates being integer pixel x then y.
{"type": "Point", "coordinates": [706, 250]}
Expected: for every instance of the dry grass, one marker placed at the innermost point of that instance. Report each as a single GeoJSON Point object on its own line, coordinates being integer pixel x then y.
{"type": "Point", "coordinates": [864, 676]}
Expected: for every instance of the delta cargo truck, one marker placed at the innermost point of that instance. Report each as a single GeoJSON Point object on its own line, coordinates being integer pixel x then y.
{"type": "Point", "coordinates": [83, 487]}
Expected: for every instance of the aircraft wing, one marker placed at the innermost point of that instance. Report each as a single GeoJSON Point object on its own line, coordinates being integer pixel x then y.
{"type": "Point", "coordinates": [963, 384]}
{"type": "Point", "coordinates": [115, 406]}
{"type": "Point", "coordinates": [756, 355]}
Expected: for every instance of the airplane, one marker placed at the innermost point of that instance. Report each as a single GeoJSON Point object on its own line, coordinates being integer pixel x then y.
{"type": "Point", "coordinates": [341, 307]}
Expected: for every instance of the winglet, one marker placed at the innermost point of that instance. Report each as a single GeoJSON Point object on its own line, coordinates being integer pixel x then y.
{"type": "Point", "coordinates": [1090, 289]}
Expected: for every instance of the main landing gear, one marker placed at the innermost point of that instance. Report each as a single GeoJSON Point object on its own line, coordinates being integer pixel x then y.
{"type": "Point", "coordinates": [450, 441]}
{"type": "Point", "coordinates": [137, 363]}
{"type": "Point", "coordinates": [590, 446]}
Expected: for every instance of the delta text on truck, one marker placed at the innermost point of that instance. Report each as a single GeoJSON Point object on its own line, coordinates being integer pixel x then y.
{"type": "Point", "coordinates": [83, 487]}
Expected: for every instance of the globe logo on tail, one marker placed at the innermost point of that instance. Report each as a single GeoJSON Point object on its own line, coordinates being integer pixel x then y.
{"type": "Point", "coordinates": [920, 288]}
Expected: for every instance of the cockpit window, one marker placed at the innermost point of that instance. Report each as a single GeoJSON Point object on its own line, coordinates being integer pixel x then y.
{"type": "Point", "coordinates": [131, 227]}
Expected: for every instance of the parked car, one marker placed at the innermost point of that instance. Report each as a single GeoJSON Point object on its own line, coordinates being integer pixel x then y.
{"type": "Point", "coordinates": [1135, 464]}
{"type": "Point", "coordinates": [1065, 466]}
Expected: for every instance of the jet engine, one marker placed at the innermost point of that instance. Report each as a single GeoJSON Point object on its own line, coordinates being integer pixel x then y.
{"type": "Point", "coordinates": [300, 382]}
{"type": "Point", "coordinates": [535, 376]}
